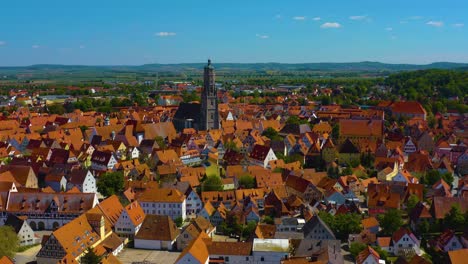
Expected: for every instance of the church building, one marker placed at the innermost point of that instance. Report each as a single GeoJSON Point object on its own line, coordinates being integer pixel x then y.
{"type": "Point", "coordinates": [202, 116]}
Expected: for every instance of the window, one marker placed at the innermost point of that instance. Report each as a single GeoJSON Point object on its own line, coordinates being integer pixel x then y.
{"type": "Point", "coordinates": [226, 259]}
{"type": "Point", "coordinates": [262, 259]}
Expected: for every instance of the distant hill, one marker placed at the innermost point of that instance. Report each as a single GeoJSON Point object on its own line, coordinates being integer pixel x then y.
{"type": "Point", "coordinates": [46, 71]}
{"type": "Point", "coordinates": [352, 66]}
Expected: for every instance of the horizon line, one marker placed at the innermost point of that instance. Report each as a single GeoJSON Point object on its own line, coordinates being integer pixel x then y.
{"type": "Point", "coordinates": [272, 62]}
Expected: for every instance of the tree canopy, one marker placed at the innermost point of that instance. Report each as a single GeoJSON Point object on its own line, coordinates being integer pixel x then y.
{"type": "Point", "coordinates": [110, 183]}
{"type": "Point", "coordinates": [9, 241]}
{"type": "Point", "coordinates": [212, 183]}
{"type": "Point", "coordinates": [391, 221]}
{"type": "Point", "coordinates": [247, 182]}
{"type": "Point", "coordinates": [90, 257]}
{"type": "Point", "coordinates": [342, 224]}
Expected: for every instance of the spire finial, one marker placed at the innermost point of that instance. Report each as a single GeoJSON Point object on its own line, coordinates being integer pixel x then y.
{"type": "Point", "coordinates": [209, 61]}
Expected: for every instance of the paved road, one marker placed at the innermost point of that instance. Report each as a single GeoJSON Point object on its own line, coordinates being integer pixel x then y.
{"type": "Point", "coordinates": [131, 255]}
{"type": "Point", "coordinates": [28, 255]}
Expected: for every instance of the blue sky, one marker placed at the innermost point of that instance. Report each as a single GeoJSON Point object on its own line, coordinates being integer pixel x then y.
{"type": "Point", "coordinates": [117, 32]}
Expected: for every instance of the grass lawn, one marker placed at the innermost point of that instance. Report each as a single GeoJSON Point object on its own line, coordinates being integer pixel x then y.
{"type": "Point", "coordinates": [213, 169]}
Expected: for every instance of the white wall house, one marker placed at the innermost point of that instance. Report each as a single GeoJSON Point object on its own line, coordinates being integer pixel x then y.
{"type": "Point", "coordinates": [404, 239]}
{"type": "Point", "coordinates": [194, 203]}
{"type": "Point", "coordinates": [83, 180]}
{"type": "Point", "coordinates": [133, 153]}
{"type": "Point", "coordinates": [270, 251]}
{"type": "Point", "coordinates": [23, 230]}
{"type": "Point", "coordinates": [164, 202]}
{"type": "Point", "coordinates": [130, 220]}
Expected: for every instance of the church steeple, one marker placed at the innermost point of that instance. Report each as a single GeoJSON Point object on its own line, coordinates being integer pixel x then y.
{"type": "Point", "coordinates": [209, 100]}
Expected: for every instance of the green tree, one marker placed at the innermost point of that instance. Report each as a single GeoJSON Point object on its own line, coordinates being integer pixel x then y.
{"type": "Point", "coordinates": [423, 226]}
{"type": "Point", "coordinates": [90, 257]}
{"type": "Point", "coordinates": [247, 182]}
{"type": "Point", "coordinates": [56, 109]}
{"type": "Point", "coordinates": [411, 203]}
{"type": "Point", "coordinates": [249, 229]}
{"type": "Point", "coordinates": [367, 159]}
{"type": "Point", "coordinates": [448, 178]}
{"type": "Point", "coordinates": [391, 221]}
{"type": "Point", "coordinates": [161, 142]}
{"type": "Point", "coordinates": [212, 183]}
{"type": "Point", "coordinates": [268, 220]}
{"type": "Point", "coordinates": [179, 221]}
{"type": "Point", "coordinates": [455, 218]}
{"type": "Point", "coordinates": [110, 183]}
{"type": "Point", "coordinates": [336, 131]}
{"type": "Point", "coordinates": [382, 253]}
{"type": "Point", "coordinates": [356, 248]}
{"type": "Point", "coordinates": [272, 134]}
{"type": "Point", "coordinates": [333, 172]}
{"type": "Point", "coordinates": [431, 177]}
{"type": "Point", "coordinates": [295, 120]}
{"type": "Point", "coordinates": [231, 145]}
{"type": "Point", "coordinates": [342, 224]}
{"type": "Point", "coordinates": [9, 241]}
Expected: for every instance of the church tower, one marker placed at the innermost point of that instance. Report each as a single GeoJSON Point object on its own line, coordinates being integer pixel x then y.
{"type": "Point", "coordinates": [209, 100]}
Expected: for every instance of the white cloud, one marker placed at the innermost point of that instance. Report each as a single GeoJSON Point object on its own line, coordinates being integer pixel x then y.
{"type": "Point", "coordinates": [358, 17]}
{"type": "Point", "coordinates": [299, 18]}
{"type": "Point", "coordinates": [35, 46]}
{"type": "Point", "coordinates": [82, 46]}
{"type": "Point", "coordinates": [316, 18]}
{"type": "Point", "coordinates": [261, 36]}
{"type": "Point", "coordinates": [435, 23]}
{"type": "Point", "coordinates": [389, 29]}
{"type": "Point", "coordinates": [165, 34]}
{"type": "Point", "coordinates": [459, 25]}
{"type": "Point", "coordinates": [2, 43]}
{"type": "Point", "coordinates": [278, 16]}
{"type": "Point", "coordinates": [331, 25]}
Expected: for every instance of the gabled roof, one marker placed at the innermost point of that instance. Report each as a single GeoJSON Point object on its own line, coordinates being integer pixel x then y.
{"type": "Point", "coordinates": [401, 232]}
{"type": "Point", "coordinates": [111, 208]}
{"type": "Point", "coordinates": [75, 236]}
{"type": "Point", "coordinates": [458, 256]}
{"type": "Point", "coordinates": [162, 196]}
{"type": "Point", "coordinates": [15, 222]}
{"type": "Point", "coordinates": [369, 222]}
{"type": "Point", "coordinates": [359, 127]}
{"type": "Point", "coordinates": [363, 255]}
{"type": "Point", "coordinates": [316, 221]}
{"type": "Point", "coordinates": [135, 213]}
{"type": "Point", "coordinates": [158, 227]}
{"type": "Point", "coordinates": [420, 211]}
{"type": "Point", "coordinates": [209, 208]}
{"type": "Point", "coordinates": [197, 249]}
{"type": "Point", "coordinates": [6, 260]}
{"type": "Point", "coordinates": [348, 147]}
{"type": "Point", "coordinates": [265, 231]}
{"type": "Point", "coordinates": [230, 248]}
{"type": "Point", "coordinates": [442, 205]}
{"type": "Point", "coordinates": [259, 152]}
{"type": "Point", "coordinates": [407, 107]}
